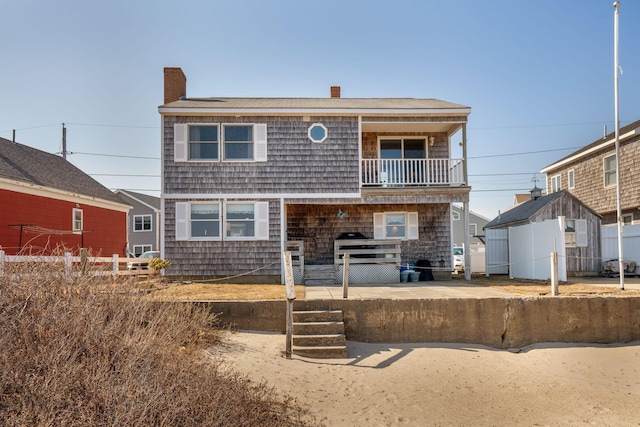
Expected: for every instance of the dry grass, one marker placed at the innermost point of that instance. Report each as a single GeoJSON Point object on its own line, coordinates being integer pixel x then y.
{"type": "Point", "coordinates": [223, 292]}
{"type": "Point", "coordinates": [88, 354]}
{"type": "Point", "coordinates": [533, 287]}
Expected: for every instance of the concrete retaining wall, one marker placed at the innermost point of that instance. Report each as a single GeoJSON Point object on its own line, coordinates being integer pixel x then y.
{"type": "Point", "coordinates": [495, 322]}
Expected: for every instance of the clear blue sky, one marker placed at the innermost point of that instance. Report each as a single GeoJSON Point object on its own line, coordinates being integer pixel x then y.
{"type": "Point", "coordinates": [537, 74]}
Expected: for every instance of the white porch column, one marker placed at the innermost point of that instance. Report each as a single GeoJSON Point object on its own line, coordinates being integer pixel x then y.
{"type": "Point", "coordinates": [467, 247]}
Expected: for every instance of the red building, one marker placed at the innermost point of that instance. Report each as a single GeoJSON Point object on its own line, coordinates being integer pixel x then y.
{"type": "Point", "coordinates": [47, 204]}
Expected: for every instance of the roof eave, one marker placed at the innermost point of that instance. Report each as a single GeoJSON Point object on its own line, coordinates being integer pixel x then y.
{"type": "Point", "coordinates": [187, 111]}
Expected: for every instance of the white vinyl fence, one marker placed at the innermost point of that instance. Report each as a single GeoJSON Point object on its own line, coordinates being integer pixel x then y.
{"type": "Point", "coordinates": [630, 243]}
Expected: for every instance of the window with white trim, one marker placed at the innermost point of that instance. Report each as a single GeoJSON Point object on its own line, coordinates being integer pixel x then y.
{"type": "Point", "coordinates": [627, 219]}
{"type": "Point", "coordinates": [318, 132]}
{"type": "Point", "coordinates": [395, 225]}
{"type": "Point", "coordinates": [609, 168]}
{"type": "Point", "coordinates": [140, 249]}
{"type": "Point", "coordinates": [77, 220]}
{"type": "Point", "coordinates": [214, 142]}
{"type": "Point", "coordinates": [205, 220]}
{"type": "Point", "coordinates": [575, 233]}
{"type": "Point", "coordinates": [455, 215]}
{"type": "Point", "coordinates": [556, 183]}
{"type": "Point", "coordinates": [571, 179]}
{"type": "Point", "coordinates": [142, 223]}
{"type": "Point", "coordinates": [473, 230]}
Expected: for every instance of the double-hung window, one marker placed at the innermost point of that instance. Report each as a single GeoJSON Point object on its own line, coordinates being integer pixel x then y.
{"type": "Point", "coordinates": [203, 142]}
{"type": "Point", "coordinates": [609, 167]}
{"type": "Point", "coordinates": [571, 178]}
{"type": "Point", "coordinates": [556, 183]}
{"type": "Point", "coordinates": [140, 249]}
{"type": "Point", "coordinates": [77, 219]}
{"type": "Point", "coordinates": [205, 220]}
{"type": "Point", "coordinates": [142, 223]}
{"type": "Point", "coordinates": [214, 142]}
{"type": "Point", "coordinates": [395, 225]}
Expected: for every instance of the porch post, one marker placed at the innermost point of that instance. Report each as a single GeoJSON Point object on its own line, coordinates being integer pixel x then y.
{"type": "Point", "coordinates": [464, 156]}
{"type": "Point", "coordinates": [467, 247]}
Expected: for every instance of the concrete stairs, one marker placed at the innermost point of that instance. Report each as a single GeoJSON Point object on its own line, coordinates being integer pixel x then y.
{"type": "Point", "coordinates": [319, 334]}
{"type": "Point", "coordinates": [319, 275]}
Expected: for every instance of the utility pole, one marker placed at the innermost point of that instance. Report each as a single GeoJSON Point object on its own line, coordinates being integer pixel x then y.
{"type": "Point", "coordinates": [616, 70]}
{"type": "Point", "coordinates": [64, 142]}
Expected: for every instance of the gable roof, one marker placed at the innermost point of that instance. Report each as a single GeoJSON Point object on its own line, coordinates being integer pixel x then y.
{"type": "Point", "coordinates": [628, 131]}
{"type": "Point", "coordinates": [150, 201]}
{"type": "Point", "coordinates": [523, 212]}
{"type": "Point", "coordinates": [325, 105]}
{"type": "Point", "coordinates": [35, 167]}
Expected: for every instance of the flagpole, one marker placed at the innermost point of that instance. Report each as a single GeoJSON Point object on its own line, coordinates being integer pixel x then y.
{"type": "Point", "coordinates": [616, 5]}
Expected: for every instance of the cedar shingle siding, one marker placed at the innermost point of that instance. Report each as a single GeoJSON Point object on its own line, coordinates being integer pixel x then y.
{"type": "Point", "coordinates": [294, 163]}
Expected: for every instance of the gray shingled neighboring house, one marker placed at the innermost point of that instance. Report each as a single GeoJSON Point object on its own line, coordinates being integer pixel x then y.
{"type": "Point", "coordinates": [143, 221]}
{"type": "Point", "coordinates": [590, 174]}
{"type": "Point", "coordinates": [242, 178]}
{"type": "Point", "coordinates": [582, 232]}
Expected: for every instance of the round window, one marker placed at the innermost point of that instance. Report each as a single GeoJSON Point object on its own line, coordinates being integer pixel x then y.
{"type": "Point", "coordinates": [317, 132]}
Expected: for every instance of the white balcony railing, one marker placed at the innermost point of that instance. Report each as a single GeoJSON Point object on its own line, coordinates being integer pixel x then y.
{"type": "Point", "coordinates": [412, 172]}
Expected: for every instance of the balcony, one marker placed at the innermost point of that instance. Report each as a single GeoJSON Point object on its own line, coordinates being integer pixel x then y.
{"type": "Point", "coordinates": [412, 172]}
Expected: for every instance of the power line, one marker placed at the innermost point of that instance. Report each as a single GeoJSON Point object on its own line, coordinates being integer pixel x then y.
{"type": "Point", "coordinates": [524, 153]}
{"type": "Point", "coordinates": [114, 126]}
{"type": "Point", "coordinates": [115, 155]}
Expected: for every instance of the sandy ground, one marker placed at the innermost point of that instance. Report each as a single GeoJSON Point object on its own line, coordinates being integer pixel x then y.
{"type": "Point", "coordinates": [451, 384]}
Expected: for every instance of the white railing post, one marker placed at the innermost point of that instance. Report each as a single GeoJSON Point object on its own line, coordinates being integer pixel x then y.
{"type": "Point", "coordinates": [68, 263]}
{"type": "Point", "coordinates": [114, 271]}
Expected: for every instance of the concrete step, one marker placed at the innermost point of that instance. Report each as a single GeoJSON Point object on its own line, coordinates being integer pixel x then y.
{"type": "Point", "coordinates": [324, 340]}
{"type": "Point", "coordinates": [317, 316]}
{"type": "Point", "coordinates": [321, 352]}
{"type": "Point", "coordinates": [318, 328]}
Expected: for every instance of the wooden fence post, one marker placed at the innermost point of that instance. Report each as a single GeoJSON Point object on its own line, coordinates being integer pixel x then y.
{"type": "Point", "coordinates": [345, 276]}
{"type": "Point", "coordinates": [290, 291]}
{"type": "Point", "coordinates": [83, 261]}
{"type": "Point", "coordinates": [2, 260]}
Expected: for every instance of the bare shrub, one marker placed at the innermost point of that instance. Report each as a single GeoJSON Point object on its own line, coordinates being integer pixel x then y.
{"type": "Point", "coordinates": [87, 353]}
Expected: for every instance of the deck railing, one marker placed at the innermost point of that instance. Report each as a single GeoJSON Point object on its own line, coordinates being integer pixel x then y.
{"type": "Point", "coordinates": [412, 172]}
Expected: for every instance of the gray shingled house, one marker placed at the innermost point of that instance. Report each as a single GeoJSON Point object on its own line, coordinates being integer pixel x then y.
{"type": "Point", "coordinates": [244, 179]}
{"type": "Point", "coordinates": [143, 221]}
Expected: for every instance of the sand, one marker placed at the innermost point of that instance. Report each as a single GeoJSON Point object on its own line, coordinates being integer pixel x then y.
{"type": "Point", "coordinates": [450, 384]}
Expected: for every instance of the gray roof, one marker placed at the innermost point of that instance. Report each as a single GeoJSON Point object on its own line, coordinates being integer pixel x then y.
{"type": "Point", "coordinates": [523, 212]}
{"type": "Point", "coordinates": [597, 142]}
{"type": "Point", "coordinates": [328, 104]}
{"type": "Point", "coordinates": [29, 165]}
{"type": "Point", "coordinates": [152, 201]}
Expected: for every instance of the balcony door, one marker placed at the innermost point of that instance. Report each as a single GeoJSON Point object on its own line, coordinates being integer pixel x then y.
{"type": "Point", "coordinates": [401, 159]}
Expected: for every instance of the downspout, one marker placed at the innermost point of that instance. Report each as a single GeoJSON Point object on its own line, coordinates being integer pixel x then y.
{"type": "Point", "coordinates": [283, 225]}
{"type": "Point", "coordinates": [162, 204]}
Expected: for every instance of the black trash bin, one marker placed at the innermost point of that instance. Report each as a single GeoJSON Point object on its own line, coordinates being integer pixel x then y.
{"type": "Point", "coordinates": [424, 267]}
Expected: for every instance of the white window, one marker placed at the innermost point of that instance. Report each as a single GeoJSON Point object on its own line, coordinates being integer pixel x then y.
{"type": "Point", "coordinates": [473, 230]}
{"type": "Point", "coordinates": [395, 225]}
{"type": "Point", "coordinates": [140, 249]}
{"type": "Point", "coordinates": [206, 142]}
{"type": "Point", "coordinates": [206, 220]}
{"type": "Point", "coordinates": [556, 183]}
{"type": "Point", "coordinates": [571, 179]}
{"type": "Point", "coordinates": [203, 142]}
{"type": "Point", "coordinates": [455, 215]}
{"type": "Point", "coordinates": [609, 166]}
{"type": "Point", "coordinates": [142, 223]}
{"type": "Point", "coordinates": [575, 233]}
{"type": "Point", "coordinates": [77, 219]}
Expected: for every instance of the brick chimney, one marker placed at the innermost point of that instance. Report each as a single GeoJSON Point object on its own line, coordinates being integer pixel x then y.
{"type": "Point", "coordinates": [335, 91]}
{"type": "Point", "coordinates": [175, 84]}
